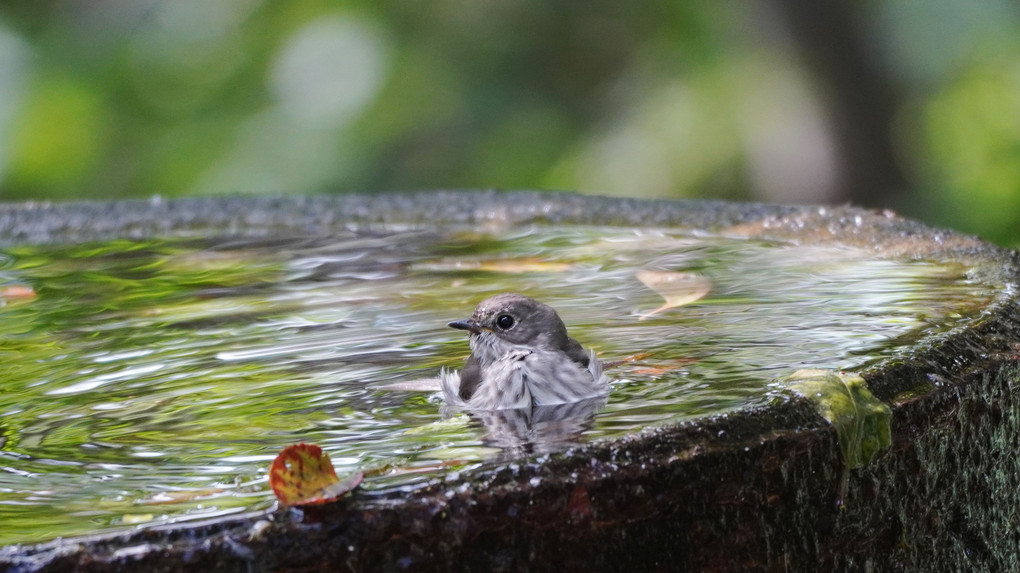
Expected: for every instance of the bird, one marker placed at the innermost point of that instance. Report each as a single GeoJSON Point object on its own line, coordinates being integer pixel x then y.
{"type": "Point", "coordinates": [521, 356]}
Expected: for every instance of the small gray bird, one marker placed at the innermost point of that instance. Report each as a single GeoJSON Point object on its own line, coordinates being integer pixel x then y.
{"type": "Point", "coordinates": [521, 356]}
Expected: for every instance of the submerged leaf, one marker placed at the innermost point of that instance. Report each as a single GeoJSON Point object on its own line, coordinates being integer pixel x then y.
{"type": "Point", "coordinates": [676, 288]}
{"type": "Point", "coordinates": [644, 367]}
{"type": "Point", "coordinates": [302, 474]}
{"type": "Point", "coordinates": [664, 367]}
{"type": "Point", "coordinates": [626, 360]}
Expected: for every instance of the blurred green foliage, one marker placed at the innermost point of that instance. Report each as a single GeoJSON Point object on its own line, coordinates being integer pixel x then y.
{"type": "Point", "coordinates": [130, 98]}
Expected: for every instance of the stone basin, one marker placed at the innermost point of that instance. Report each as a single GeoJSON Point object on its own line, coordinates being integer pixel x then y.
{"type": "Point", "coordinates": [765, 488]}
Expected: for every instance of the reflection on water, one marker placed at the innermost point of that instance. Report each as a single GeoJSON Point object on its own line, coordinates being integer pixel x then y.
{"type": "Point", "coordinates": [539, 429]}
{"type": "Point", "coordinates": [155, 380]}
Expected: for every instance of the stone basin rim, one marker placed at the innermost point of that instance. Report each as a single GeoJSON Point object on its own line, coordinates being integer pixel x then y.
{"type": "Point", "coordinates": [885, 234]}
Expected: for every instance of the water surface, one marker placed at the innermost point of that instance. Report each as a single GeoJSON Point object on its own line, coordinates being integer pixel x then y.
{"type": "Point", "coordinates": [148, 381]}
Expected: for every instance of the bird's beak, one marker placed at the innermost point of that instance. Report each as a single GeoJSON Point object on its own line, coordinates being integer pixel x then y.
{"type": "Point", "coordinates": [467, 325]}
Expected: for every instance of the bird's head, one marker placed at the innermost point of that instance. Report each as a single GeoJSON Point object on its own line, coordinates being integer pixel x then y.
{"type": "Point", "coordinates": [517, 319]}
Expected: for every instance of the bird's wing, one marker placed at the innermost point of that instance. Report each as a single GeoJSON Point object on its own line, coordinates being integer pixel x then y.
{"type": "Point", "coordinates": [555, 378]}
{"type": "Point", "coordinates": [470, 378]}
{"type": "Point", "coordinates": [576, 352]}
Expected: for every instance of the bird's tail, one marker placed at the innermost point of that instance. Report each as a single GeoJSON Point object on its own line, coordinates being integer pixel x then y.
{"type": "Point", "coordinates": [595, 366]}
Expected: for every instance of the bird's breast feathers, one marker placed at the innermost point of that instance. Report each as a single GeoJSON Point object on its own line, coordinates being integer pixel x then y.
{"type": "Point", "coordinates": [524, 377]}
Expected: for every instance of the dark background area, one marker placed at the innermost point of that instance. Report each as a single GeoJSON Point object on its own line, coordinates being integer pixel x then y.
{"type": "Point", "coordinates": [912, 106]}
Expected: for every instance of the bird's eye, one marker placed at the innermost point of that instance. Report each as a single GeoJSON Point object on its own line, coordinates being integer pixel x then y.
{"type": "Point", "coordinates": [505, 322]}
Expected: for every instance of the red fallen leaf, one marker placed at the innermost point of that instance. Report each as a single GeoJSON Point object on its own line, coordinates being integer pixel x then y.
{"type": "Point", "coordinates": [302, 474]}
